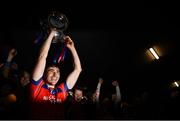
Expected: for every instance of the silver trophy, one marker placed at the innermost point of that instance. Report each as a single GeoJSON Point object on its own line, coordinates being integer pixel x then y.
{"type": "Point", "coordinates": [57, 21]}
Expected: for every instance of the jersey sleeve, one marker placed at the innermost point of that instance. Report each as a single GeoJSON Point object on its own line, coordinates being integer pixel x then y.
{"type": "Point", "coordinates": [35, 87]}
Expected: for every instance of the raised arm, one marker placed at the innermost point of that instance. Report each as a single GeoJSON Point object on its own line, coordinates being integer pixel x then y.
{"type": "Point", "coordinates": [118, 93]}
{"type": "Point", "coordinates": [98, 89]}
{"type": "Point", "coordinates": [73, 76]}
{"type": "Point", "coordinates": [12, 53]}
{"type": "Point", "coordinates": [41, 61]}
{"type": "Point", "coordinates": [1, 65]}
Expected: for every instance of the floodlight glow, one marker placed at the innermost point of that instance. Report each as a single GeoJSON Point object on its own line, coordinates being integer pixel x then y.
{"type": "Point", "coordinates": [154, 53]}
{"type": "Point", "coordinates": [176, 84]}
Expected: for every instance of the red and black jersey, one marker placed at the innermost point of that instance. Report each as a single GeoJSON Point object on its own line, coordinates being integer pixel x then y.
{"type": "Point", "coordinates": [47, 103]}
{"type": "Point", "coordinates": [41, 93]}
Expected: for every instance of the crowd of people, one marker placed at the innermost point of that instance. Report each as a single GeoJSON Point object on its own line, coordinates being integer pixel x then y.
{"type": "Point", "coordinates": [41, 94]}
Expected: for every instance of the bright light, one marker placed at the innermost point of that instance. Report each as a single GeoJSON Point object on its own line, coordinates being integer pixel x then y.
{"type": "Point", "coordinates": [56, 34]}
{"type": "Point", "coordinates": [176, 84]}
{"type": "Point", "coordinates": [154, 53]}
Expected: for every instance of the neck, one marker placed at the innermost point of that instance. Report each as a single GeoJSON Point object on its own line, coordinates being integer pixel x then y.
{"type": "Point", "coordinates": [50, 86]}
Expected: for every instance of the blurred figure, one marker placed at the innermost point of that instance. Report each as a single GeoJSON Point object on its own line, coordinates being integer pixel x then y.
{"type": "Point", "coordinates": [1, 65]}
{"type": "Point", "coordinates": [94, 102]}
{"type": "Point", "coordinates": [77, 105]}
{"type": "Point", "coordinates": [23, 94]}
{"type": "Point", "coordinates": [96, 94]}
{"type": "Point", "coordinates": [116, 99]}
{"type": "Point", "coordinates": [10, 68]}
{"type": "Point", "coordinates": [78, 94]}
{"type": "Point", "coordinates": [8, 80]}
{"type": "Point", "coordinates": [110, 105]}
{"type": "Point", "coordinates": [24, 78]}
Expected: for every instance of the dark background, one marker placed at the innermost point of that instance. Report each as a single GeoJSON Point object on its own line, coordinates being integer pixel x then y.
{"type": "Point", "coordinates": [111, 39]}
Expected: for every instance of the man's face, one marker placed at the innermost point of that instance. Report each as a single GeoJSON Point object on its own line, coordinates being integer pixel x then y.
{"type": "Point", "coordinates": [25, 79]}
{"type": "Point", "coordinates": [78, 94]}
{"type": "Point", "coordinates": [52, 75]}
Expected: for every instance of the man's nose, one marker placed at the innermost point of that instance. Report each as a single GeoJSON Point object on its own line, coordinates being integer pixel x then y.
{"type": "Point", "coordinates": [54, 73]}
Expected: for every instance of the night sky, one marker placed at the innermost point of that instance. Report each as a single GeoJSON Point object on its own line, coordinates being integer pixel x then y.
{"type": "Point", "coordinates": [110, 38]}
